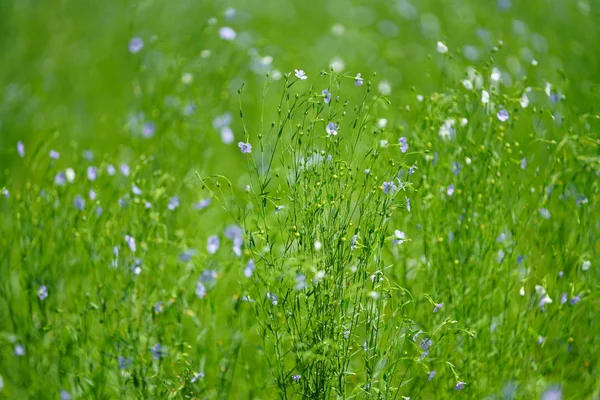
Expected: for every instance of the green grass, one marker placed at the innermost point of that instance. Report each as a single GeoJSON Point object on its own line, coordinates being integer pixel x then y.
{"type": "Point", "coordinates": [319, 298]}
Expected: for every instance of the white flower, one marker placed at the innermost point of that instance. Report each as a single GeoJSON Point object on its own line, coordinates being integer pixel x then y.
{"type": "Point", "coordinates": [524, 100]}
{"type": "Point", "coordinates": [385, 88]}
{"type": "Point", "coordinates": [337, 65]}
{"type": "Point", "coordinates": [545, 300]}
{"type": "Point", "coordinates": [496, 75]}
{"type": "Point", "coordinates": [187, 78]}
{"type": "Point", "coordinates": [227, 33]}
{"type": "Point", "coordinates": [467, 84]}
{"type": "Point", "coordinates": [399, 237]}
{"type": "Point", "coordinates": [318, 245]}
{"type": "Point", "coordinates": [485, 97]}
{"type": "Point", "coordinates": [463, 122]}
{"type": "Point", "coordinates": [319, 276]}
{"type": "Point", "coordinates": [70, 174]}
{"type": "Point", "coordinates": [522, 291]}
{"type": "Point", "coordinates": [420, 98]}
{"type": "Point", "coordinates": [442, 48]}
{"type": "Point", "coordinates": [447, 130]}
{"type": "Point", "coordinates": [467, 161]}
{"type": "Point", "coordinates": [586, 265]}
{"type": "Point", "coordinates": [540, 290]}
{"type": "Point", "coordinates": [382, 123]}
{"type": "Point", "coordinates": [548, 89]}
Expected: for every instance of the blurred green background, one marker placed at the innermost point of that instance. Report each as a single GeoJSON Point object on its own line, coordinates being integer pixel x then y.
{"type": "Point", "coordinates": [69, 83]}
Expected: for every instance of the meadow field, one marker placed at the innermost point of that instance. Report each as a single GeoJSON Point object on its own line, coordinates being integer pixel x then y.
{"type": "Point", "coordinates": [284, 199]}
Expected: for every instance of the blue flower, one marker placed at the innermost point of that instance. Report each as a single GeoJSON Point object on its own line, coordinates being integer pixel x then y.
{"type": "Point", "coordinates": [213, 244]}
{"type": "Point", "coordinates": [544, 213]}
{"type": "Point", "coordinates": [130, 242]}
{"type": "Point", "coordinates": [460, 385]}
{"type": "Point", "coordinates": [245, 147]}
{"type": "Point", "coordinates": [148, 129]}
{"type": "Point", "coordinates": [523, 163]}
{"type": "Point", "coordinates": [79, 203]}
{"type": "Point", "coordinates": [437, 307]}
{"type": "Point", "coordinates": [200, 290]}
{"type": "Point", "coordinates": [575, 300]}
{"type": "Point", "coordinates": [502, 115]}
{"type": "Point", "coordinates": [92, 173]}
{"type": "Point", "coordinates": [173, 203]}
{"type": "Point", "coordinates": [19, 350]}
{"type": "Point", "coordinates": [54, 155]}
{"type": "Point", "coordinates": [389, 187]}
{"type": "Point", "coordinates": [227, 33]}
{"type": "Point", "coordinates": [300, 74]}
{"type": "Point", "coordinates": [124, 363]}
{"type": "Point", "coordinates": [450, 190]}
{"type": "Point", "coordinates": [327, 96]}
{"type": "Point", "coordinates": [42, 292]}
{"type": "Point", "coordinates": [187, 255]}
{"type": "Point", "coordinates": [295, 378]}
{"type": "Point", "coordinates": [358, 81]}
{"type": "Point", "coordinates": [431, 375]}
{"type": "Point", "coordinates": [426, 343]}
{"type": "Point", "coordinates": [403, 144]}
{"type": "Point", "coordinates": [455, 168]}
{"type": "Point", "coordinates": [21, 149]}
{"type": "Point", "coordinates": [136, 45]}
{"type": "Point", "coordinates": [202, 204]}
{"type": "Point", "coordinates": [157, 351]}
{"type": "Point", "coordinates": [332, 128]}
{"type": "Point", "coordinates": [249, 269]}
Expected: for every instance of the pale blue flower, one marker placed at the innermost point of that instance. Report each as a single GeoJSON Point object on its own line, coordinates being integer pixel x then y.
{"type": "Point", "coordinates": [213, 244]}
{"type": "Point", "coordinates": [249, 269]}
{"type": "Point", "coordinates": [136, 45]}
{"type": "Point", "coordinates": [200, 290]}
{"type": "Point", "coordinates": [399, 237]}
{"type": "Point", "coordinates": [389, 187]}
{"type": "Point", "coordinates": [502, 115]}
{"type": "Point", "coordinates": [326, 96]}
{"type": "Point", "coordinates": [455, 168]}
{"type": "Point", "coordinates": [54, 155]}
{"type": "Point", "coordinates": [157, 351]}
{"type": "Point", "coordinates": [173, 203]}
{"type": "Point", "coordinates": [92, 173]}
{"type": "Point", "coordinates": [403, 144]}
{"type": "Point", "coordinates": [523, 163]}
{"type": "Point", "coordinates": [202, 204]}
{"type": "Point", "coordinates": [450, 190]}
{"type": "Point", "coordinates": [21, 149]}
{"type": "Point", "coordinates": [148, 129]}
{"type": "Point", "coordinates": [332, 129]}
{"type": "Point", "coordinates": [130, 242]}
{"type": "Point", "coordinates": [358, 81]}
{"type": "Point", "coordinates": [300, 74]}
{"type": "Point", "coordinates": [79, 203]}
{"type": "Point", "coordinates": [227, 33]}
{"type": "Point", "coordinates": [124, 168]}
{"type": "Point", "coordinates": [245, 147]}
{"type": "Point", "coordinates": [544, 213]}
{"type": "Point", "coordinates": [42, 292]}
{"type": "Point", "coordinates": [460, 386]}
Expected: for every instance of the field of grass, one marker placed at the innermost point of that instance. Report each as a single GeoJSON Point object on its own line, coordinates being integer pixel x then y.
{"type": "Point", "coordinates": [349, 199]}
